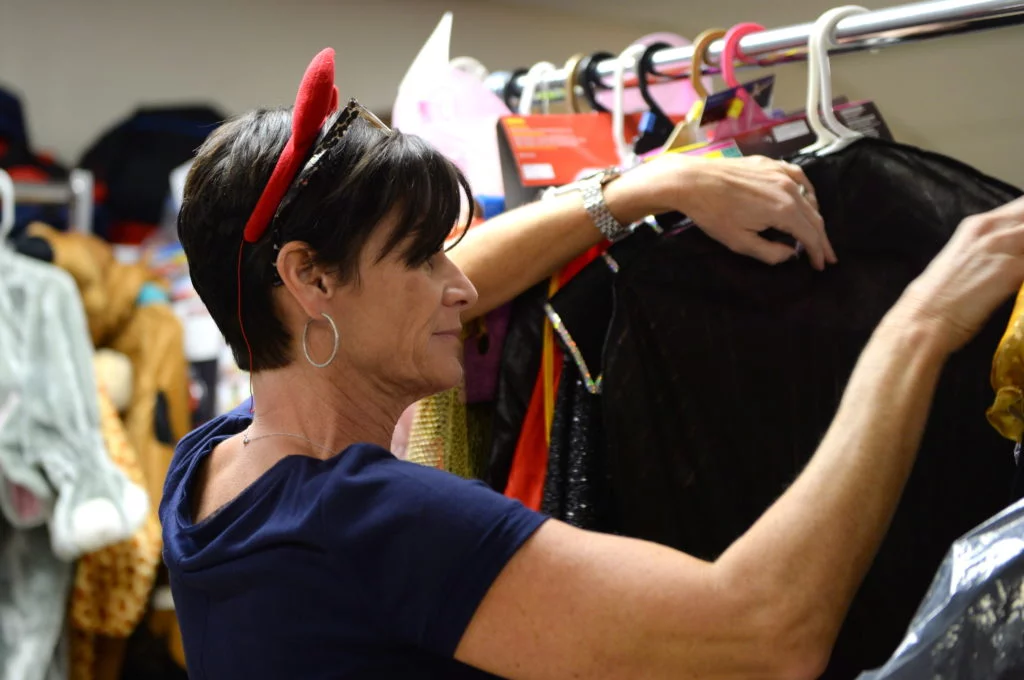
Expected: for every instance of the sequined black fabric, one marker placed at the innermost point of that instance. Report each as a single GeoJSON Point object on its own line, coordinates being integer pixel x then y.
{"type": "Point", "coordinates": [721, 375]}
{"type": "Point", "coordinates": [576, 486]}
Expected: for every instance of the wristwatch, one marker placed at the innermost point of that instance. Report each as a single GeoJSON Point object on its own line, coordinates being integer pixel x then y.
{"type": "Point", "coordinates": [591, 188]}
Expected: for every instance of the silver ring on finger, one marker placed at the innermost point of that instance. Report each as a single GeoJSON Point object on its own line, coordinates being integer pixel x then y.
{"type": "Point", "coordinates": [803, 190]}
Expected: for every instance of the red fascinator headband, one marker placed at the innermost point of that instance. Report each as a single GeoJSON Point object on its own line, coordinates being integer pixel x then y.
{"type": "Point", "coordinates": [317, 99]}
{"type": "Point", "coordinates": [315, 102]}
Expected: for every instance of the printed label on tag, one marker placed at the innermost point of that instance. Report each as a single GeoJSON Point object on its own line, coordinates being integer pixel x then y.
{"type": "Point", "coordinates": [719, 105]}
{"type": "Point", "coordinates": [788, 131]}
{"type": "Point", "coordinates": [535, 171]}
{"type": "Point", "coordinates": [542, 151]}
{"type": "Point", "coordinates": [787, 137]}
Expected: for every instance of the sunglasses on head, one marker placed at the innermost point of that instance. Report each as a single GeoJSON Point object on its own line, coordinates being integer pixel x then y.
{"type": "Point", "coordinates": [330, 137]}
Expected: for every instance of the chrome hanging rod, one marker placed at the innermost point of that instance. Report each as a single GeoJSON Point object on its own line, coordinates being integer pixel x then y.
{"type": "Point", "coordinates": [869, 31]}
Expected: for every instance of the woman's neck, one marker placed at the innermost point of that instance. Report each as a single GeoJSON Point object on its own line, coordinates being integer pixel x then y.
{"type": "Point", "coordinates": [297, 401]}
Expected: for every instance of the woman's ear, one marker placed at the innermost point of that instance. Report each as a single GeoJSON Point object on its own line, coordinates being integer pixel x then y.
{"type": "Point", "coordinates": [309, 282]}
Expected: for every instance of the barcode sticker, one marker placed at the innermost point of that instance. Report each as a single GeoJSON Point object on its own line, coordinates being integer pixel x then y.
{"type": "Point", "coordinates": [534, 171]}
{"type": "Point", "coordinates": [792, 130]}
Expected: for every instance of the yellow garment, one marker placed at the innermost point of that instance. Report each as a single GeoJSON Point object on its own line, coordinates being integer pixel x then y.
{"type": "Point", "coordinates": [1007, 411]}
{"type": "Point", "coordinates": [154, 341]}
{"type": "Point", "coordinates": [547, 363]}
{"type": "Point", "coordinates": [438, 436]}
{"type": "Point", "coordinates": [164, 624]}
{"type": "Point", "coordinates": [108, 288]}
{"type": "Point", "coordinates": [112, 585]}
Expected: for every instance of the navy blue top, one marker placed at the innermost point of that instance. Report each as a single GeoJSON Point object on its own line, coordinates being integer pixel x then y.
{"type": "Point", "coordinates": [359, 566]}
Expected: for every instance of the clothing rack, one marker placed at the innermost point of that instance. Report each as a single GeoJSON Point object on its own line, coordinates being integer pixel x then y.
{"type": "Point", "coordinates": [76, 193]}
{"type": "Point", "coordinates": [869, 31]}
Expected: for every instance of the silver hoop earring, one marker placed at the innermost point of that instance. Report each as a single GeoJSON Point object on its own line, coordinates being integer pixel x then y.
{"type": "Point", "coordinates": [305, 346]}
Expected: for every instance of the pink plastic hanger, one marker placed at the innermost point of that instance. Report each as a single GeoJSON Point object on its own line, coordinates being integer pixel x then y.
{"type": "Point", "coordinates": [732, 51]}
{"type": "Point", "coordinates": [751, 114]}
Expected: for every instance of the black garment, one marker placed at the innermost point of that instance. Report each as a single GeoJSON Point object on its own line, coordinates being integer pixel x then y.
{"type": "Point", "coordinates": [1018, 478]}
{"type": "Point", "coordinates": [35, 247]}
{"type": "Point", "coordinates": [577, 486]}
{"type": "Point", "coordinates": [134, 160]}
{"type": "Point", "coordinates": [520, 361]}
{"type": "Point", "coordinates": [24, 165]}
{"type": "Point", "coordinates": [12, 119]}
{"type": "Point", "coordinates": [722, 374]}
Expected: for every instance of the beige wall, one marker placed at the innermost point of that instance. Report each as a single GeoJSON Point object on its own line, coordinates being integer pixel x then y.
{"type": "Point", "coordinates": [82, 64]}
{"type": "Point", "coordinates": [959, 95]}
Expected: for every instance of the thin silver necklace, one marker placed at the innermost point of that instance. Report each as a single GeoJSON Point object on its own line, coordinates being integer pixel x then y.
{"type": "Point", "coordinates": [246, 439]}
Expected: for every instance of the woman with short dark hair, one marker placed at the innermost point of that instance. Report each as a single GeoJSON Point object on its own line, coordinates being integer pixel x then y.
{"type": "Point", "coordinates": [299, 546]}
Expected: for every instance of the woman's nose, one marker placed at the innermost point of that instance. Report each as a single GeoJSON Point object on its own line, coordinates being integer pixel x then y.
{"type": "Point", "coordinates": [460, 291]}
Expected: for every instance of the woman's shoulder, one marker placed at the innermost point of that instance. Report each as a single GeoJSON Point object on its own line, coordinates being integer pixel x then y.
{"type": "Point", "coordinates": [198, 443]}
{"type": "Point", "coordinates": [365, 484]}
{"type": "Point", "coordinates": [397, 497]}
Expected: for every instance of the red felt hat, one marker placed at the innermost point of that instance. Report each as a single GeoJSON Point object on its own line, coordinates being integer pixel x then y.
{"type": "Point", "coordinates": [317, 99]}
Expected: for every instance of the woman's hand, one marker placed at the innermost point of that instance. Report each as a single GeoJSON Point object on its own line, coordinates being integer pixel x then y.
{"type": "Point", "coordinates": [733, 200]}
{"type": "Point", "coordinates": [980, 267]}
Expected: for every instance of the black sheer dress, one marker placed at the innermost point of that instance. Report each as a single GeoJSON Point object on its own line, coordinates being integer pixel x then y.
{"type": "Point", "coordinates": [721, 374]}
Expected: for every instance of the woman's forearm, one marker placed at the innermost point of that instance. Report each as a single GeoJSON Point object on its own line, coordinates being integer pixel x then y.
{"type": "Point", "coordinates": [732, 200]}
{"type": "Point", "coordinates": [815, 544]}
{"type": "Point", "coordinates": [517, 249]}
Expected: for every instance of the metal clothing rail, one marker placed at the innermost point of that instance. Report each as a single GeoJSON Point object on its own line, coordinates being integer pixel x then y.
{"type": "Point", "coordinates": [869, 31]}
{"type": "Point", "coordinates": [76, 193]}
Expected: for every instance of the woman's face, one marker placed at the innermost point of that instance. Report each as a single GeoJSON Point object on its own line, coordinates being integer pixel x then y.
{"type": "Point", "coordinates": [400, 326]}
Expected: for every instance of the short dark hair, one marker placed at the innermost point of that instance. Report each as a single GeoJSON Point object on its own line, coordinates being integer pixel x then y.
{"type": "Point", "coordinates": [370, 175]}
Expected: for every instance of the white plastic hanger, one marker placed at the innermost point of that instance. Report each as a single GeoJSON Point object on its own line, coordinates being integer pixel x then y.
{"type": "Point", "coordinates": [827, 40]}
{"type": "Point", "coordinates": [831, 135]}
{"type": "Point", "coordinates": [631, 54]}
{"type": "Point", "coordinates": [6, 205]}
{"type": "Point", "coordinates": [6, 211]}
{"type": "Point", "coordinates": [471, 66]}
{"type": "Point", "coordinates": [530, 82]}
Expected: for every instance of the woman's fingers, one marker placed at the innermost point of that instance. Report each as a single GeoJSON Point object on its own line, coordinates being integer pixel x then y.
{"type": "Point", "coordinates": [811, 214]}
{"type": "Point", "coordinates": [798, 219]}
{"type": "Point", "coordinates": [811, 207]}
{"type": "Point", "coordinates": [766, 251]}
{"type": "Point", "coordinates": [980, 266]}
{"type": "Point", "coordinates": [740, 198]}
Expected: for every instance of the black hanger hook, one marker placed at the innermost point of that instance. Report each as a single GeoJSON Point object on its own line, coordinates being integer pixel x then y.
{"type": "Point", "coordinates": [513, 91]}
{"type": "Point", "coordinates": [644, 67]}
{"type": "Point", "coordinates": [590, 82]}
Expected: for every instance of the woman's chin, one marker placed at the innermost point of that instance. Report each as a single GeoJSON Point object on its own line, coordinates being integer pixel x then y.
{"type": "Point", "coordinates": [444, 375]}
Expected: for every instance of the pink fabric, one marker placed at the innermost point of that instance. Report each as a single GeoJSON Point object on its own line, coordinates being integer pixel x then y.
{"type": "Point", "coordinates": [400, 438]}
{"type": "Point", "coordinates": [482, 368]}
{"type": "Point", "coordinates": [453, 111]}
{"type": "Point", "coordinates": [24, 502]}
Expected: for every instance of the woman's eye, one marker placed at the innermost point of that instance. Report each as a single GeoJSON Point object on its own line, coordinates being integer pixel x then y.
{"type": "Point", "coordinates": [431, 262]}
